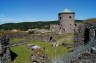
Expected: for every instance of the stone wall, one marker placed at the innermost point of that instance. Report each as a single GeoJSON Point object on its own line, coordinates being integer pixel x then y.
{"type": "Point", "coordinates": [84, 32]}
{"type": "Point", "coordinates": [56, 29]}
{"type": "Point", "coordinates": [86, 58]}
{"type": "Point", "coordinates": [5, 56]}
{"type": "Point", "coordinates": [46, 38]}
{"type": "Point", "coordinates": [17, 35]}
{"type": "Point", "coordinates": [85, 40]}
{"type": "Point", "coordinates": [67, 21]}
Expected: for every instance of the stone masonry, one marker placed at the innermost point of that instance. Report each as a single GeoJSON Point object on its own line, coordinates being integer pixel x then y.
{"type": "Point", "coordinates": [5, 56]}
{"type": "Point", "coordinates": [66, 23]}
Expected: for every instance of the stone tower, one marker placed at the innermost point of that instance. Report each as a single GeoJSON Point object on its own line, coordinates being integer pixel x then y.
{"type": "Point", "coordinates": [67, 19]}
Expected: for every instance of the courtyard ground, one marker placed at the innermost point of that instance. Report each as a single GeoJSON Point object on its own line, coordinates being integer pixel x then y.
{"type": "Point", "coordinates": [23, 53]}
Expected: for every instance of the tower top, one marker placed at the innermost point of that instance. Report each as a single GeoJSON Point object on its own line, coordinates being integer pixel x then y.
{"type": "Point", "coordinates": [67, 11]}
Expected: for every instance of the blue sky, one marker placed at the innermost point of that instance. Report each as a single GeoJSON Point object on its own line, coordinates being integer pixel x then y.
{"type": "Point", "coordinates": [44, 10]}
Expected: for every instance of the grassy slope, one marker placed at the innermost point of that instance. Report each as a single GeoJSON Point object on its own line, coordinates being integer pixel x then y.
{"type": "Point", "coordinates": [23, 54]}
{"type": "Point", "coordinates": [28, 25]}
{"type": "Point", "coordinates": [92, 20]}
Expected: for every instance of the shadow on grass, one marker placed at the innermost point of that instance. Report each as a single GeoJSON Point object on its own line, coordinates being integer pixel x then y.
{"type": "Point", "coordinates": [13, 55]}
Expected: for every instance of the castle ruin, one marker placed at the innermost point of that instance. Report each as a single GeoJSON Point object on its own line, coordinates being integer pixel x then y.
{"type": "Point", "coordinates": [84, 37]}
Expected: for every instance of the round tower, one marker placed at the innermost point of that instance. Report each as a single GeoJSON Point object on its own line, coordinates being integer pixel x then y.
{"type": "Point", "coordinates": [67, 19]}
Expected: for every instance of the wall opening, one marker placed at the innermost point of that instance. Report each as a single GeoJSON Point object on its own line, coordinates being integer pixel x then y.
{"type": "Point", "coordinates": [86, 36]}
{"type": "Point", "coordinates": [75, 24]}
{"type": "Point", "coordinates": [60, 18]}
{"type": "Point", "coordinates": [50, 39]}
{"type": "Point", "coordinates": [70, 17]}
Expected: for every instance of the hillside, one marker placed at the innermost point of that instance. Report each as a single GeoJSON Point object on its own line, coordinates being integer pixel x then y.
{"type": "Point", "coordinates": [92, 20]}
{"type": "Point", "coordinates": [29, 25]}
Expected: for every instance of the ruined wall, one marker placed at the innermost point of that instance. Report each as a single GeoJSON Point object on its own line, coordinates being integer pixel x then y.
{"type": "Point", "coordinates": [78, 34]}
{"type": "Point", "coordinates": [5, 56]}
{"type": "Point", "coordinates": [56, 29]}
{"type": "Point", "coordinates": [84, 32]}
{"type": "Point", "coordinates": [86, 58]}
{"type": "Point", "coordinates": [85, 43]}
{"type": "Point", "coordinates": [17, 35]}
{"type": "Point", "coordinates": [46, 38]}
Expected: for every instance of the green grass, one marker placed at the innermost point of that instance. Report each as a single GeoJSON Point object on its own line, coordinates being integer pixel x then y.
{"type": "Point", "coordinates": [47, 33]}
{"type": "Point", "coordinates": [69, 42]}
{"type": "Point", "coordinates": [63, 38]}
{"type": "Point", "coordinates": [16, 40]}
{"type": "Point", "coordinates": [23, 54]}
{"type": "Point", "coordinates": [63, 35]}
{"type": "Point", "coordinates": [51, 51]}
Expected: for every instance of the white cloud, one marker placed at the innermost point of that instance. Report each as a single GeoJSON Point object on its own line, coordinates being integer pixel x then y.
{"type": "Point", "coordinates": [5, 19]}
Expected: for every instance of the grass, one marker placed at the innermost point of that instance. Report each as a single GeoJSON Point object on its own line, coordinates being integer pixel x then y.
{"type": "Point", "coordinates": [16, 40]}
{"type": "Point", "coordinates": [63, 35]}
{"type": "Point", "coordinates": [51, 51]}
{"type": "Point", "coordinates": [46, 33]}
{"type": "Point", "coordinates": [23, 54]}
{"type": "Point", "coordinates": [63, 38]}
{"type": "Point", "coordinates": [69, 42]}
